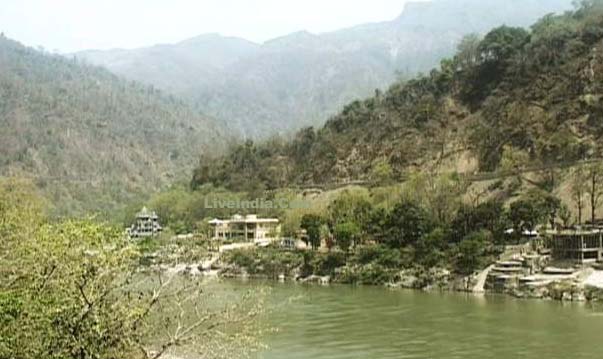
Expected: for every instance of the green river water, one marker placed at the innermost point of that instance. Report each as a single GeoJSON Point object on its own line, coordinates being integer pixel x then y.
{"type": "Point", "coordinates": [316, 322]}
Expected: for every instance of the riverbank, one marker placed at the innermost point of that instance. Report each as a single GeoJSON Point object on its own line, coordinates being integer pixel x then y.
{"type": "Point", "coordinates": [518, 276]}
{"type": "Point", "coordinates": [372, 268]}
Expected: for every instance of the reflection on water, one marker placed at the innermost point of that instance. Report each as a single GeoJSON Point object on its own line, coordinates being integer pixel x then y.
{"type": "Point", "coordinates": [367, 322]}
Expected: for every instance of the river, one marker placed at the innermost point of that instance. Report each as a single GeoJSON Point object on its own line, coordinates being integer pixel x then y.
{"type": "Point", "coordinates": [316, 322]}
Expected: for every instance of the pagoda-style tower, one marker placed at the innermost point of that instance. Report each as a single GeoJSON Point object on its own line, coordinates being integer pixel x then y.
{"type": "Point", "coordinates": [146, 225]}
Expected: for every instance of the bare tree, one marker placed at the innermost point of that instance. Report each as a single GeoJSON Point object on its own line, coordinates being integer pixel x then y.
{"type": "Point", "coordinates": [594, 188]}
{"type": "Point", "coordinates": [578, 191]}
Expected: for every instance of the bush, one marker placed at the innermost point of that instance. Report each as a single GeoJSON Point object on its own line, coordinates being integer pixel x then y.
{"type": "Point", "coordinates": [379, 254]}
{"type": "Point", "coordinates": [242, 258]}
{"type": "Point", "coordinates": [328, 263]}
{"type": "Point", "coordinates": [471, 253]}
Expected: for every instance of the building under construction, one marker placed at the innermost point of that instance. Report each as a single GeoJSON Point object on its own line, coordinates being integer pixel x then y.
{"type": "Point", "coordinates": [582, 247]}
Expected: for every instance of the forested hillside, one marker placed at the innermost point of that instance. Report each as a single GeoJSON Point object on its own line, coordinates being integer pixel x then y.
{"type": "Point", "coordinates": [303, 78]}
{"type": "Point", "coordinates": [87, 137]}
{"type": "Point", "coordinates": [513, 98]}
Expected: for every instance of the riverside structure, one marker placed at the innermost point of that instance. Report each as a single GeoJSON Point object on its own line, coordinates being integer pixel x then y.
{"type": "Point", "coordinates": [250, 229]}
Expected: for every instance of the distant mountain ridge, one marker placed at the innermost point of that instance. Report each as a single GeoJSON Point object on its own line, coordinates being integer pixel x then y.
{"type": "Point", "coordinates": [301, 79]}
{"type": "Point", "coordinates": [89, 139]}
{"type": "Point", "coordinates": [516, 99]}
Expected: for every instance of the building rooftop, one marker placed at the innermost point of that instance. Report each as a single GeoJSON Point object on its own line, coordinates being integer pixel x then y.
{"type": "Point", "coordinates": [576, 232]}
{"type": "Point", "coordinates": [145, 213]}
{"type": "Point", "coordinates": [252, 218]}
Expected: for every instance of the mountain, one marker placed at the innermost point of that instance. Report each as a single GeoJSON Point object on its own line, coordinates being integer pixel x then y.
{"type": "Point", "coordinates": [302, 78]}
{"type": "Point", "coordinates": [89, 138]}
{"type": "Point", "coordinates": [191, 65]}
{"type": "Point", "coordinates": [516, 99]}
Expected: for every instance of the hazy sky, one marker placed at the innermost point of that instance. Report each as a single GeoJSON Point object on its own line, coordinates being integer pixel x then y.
{"type": "Point", "coordinates": [71, 25]}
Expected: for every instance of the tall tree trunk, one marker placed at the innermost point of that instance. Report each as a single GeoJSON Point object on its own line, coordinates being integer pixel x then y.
{"type": "Point", "coordinates": [593, 195]}
{"type": "Point", "coordinates": [580, 204]}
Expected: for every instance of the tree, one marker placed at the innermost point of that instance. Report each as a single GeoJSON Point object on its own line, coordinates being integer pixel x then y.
{"type": "Point", "coordinates": [524, 215]}
{"type": "Point", "coordinates": [376, 225]}
{"type": "Point", "coordinates": [312, 223]}
{"type": "Point", "coordinates": [578, 190]}
{"type": "Point", "coordinates": [550, 35]}
{"type": "Point", "coordinates": [381, 172]}
{"type": "Point", "coordinates": [350, 207]}
{"type": "Point", "coordinates": [440, 194]}
{"type": "Point", "coordinates": [550, 207]}
{"type": "Point", "coordinates": [73, 290]}
{"type": "Point", "coordinates": [565, 215]}
{"type": "Point", "coordinates": [325, 232]}
{"type": "Point", "coordinates": [594, 190]}
{"type": "Point", "coordinates": [502, 43]}
{"type": "Point", "coordinates": [468, 54]}
{"type": "Point", "coordinates": [538, 206]}
{"type": "Point", "coordinates": [406, 224]}
{"type": "Point", "coordinates": [488, 216]}
{"type": "Point", "coordinates": [430, 249]}
{"type": "Point", "coordinates": [471, 253]}
{"type": "Point", "coordinates": [346, 235]}
{"type": "Point", "coordinates": [513, 159]}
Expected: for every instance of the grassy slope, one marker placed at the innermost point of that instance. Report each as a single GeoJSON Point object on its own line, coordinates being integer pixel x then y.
{"type": "Point", "coordinates": [90, 139]}
{"type": "Point", "coordinates": [517, 98]}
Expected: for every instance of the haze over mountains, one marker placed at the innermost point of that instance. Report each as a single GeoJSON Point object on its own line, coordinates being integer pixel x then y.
{"type": "Point", "coordinates": [514, 100]}
{"type": "Point", "coordinates": [92, 140]}
{"type": "Point", "coordinates": [301, 79]}
{"type": "Point", "coordinates": [88, 138]}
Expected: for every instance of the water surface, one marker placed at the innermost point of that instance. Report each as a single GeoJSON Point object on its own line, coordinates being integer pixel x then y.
{"type": "Point", "coordinates": [333, 322]}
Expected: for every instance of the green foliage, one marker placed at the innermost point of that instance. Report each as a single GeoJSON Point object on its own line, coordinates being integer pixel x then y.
{"type": "Point", "coordinates": [514, 98]}
{"type": "Point", "coordinates": [513, 159]}
{"type": "Point", "coordinates": [490, 216]}
{"type": "Point", "coordinates": [90, 140]}
{"type": "Point", "coordinates": [534, 208]}
{"type": "Point", "coordinates": [524, 215]}
{"type": "Point", "coordinates": [468, 51]}
{"type": "Point", "coordinates": [60, 283]}
{"type": "Point", "coordinates": [406, 224]}
{"type": "Point", "coordinates": [349, 206]}
{"type": "Point", "coordinates": [328, 263]}
{"type": "Point", "coordinates": [312, 224]}
{"type": "Point", "coordinates": [502, 44]}
{"type": "Point", "coordinates": [471, 252]}
{"type": "Point", "coordinates": [430, 250]}
{"type": "Point", "coordinates": [378, 254]}
{"type": "Point", "coordinates": [381, 172]}
{"type": "Point", "coordinates": [270, 262]}
{"type": "Point", "coordinates": [70, 290]}
{"type": "Point", "coordinates": [405, 236]}
{"type": "Point", "coordinates": [346, 235]}
{"type": "Point", "coordinates": [441, 195]}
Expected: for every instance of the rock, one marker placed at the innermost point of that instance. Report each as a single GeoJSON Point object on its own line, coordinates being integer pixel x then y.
{"type": "Point", "coordinates": [408, 281]}
{"type": "Point", "coordinates": [317, 279]}
{"type": "Point", "coordinates": [566, 297]}
{"type": "Point", "coordinates": [518, 293]}
{"type": "Point", "coordinates": [579, 297]}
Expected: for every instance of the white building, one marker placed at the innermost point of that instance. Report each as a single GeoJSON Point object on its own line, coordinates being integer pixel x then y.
{"type": "Point", "coordinates": [248, 228]}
